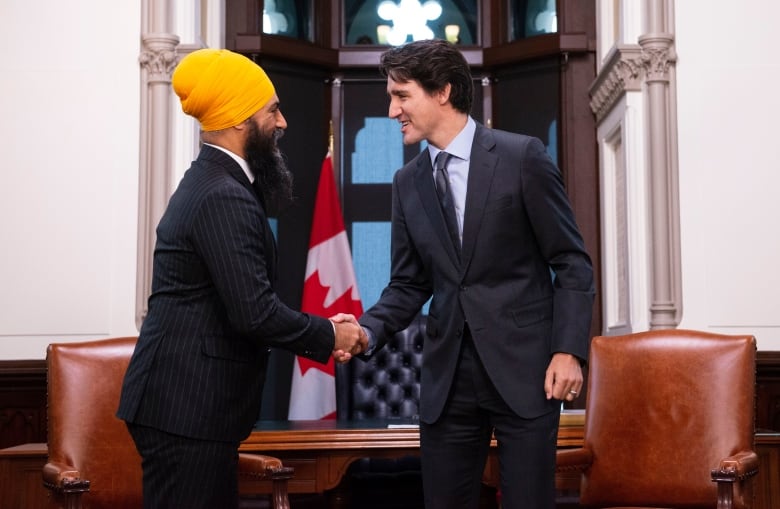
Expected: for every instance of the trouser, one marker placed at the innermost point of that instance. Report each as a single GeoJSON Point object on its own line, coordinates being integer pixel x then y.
{"type": "Point", "coordinates": [454, 449]}
{"type": "Point", "coordinates": [185, 473]}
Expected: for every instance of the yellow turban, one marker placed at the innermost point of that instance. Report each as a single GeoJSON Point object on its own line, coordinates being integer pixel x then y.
{"type": "Point", "coordinates": [220, 88]}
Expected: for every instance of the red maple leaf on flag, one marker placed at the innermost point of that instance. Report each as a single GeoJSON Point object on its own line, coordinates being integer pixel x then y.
{"type": "Point", "coordinates": [316, 292]}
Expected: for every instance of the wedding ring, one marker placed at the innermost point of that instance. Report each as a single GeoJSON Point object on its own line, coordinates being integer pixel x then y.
{"type": "Point", "coordinates": [573, 393]}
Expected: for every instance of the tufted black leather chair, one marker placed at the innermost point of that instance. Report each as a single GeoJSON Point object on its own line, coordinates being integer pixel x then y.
{"type": "Point", "coordinates": [386, 387]}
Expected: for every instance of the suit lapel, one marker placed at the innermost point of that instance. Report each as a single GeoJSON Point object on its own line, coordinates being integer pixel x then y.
{"type": "Point", "coordinates": [226, 162]}
{"type": "Point", "coordinates": [430, 201]}
{"type": "Point", "coordinates": [481, 169]}
{"type": "Point", "coordinates": [269, 240]}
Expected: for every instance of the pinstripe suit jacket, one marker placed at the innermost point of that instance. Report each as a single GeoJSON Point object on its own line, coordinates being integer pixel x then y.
{"type": "Point", "coordinates": [199, 366]}
{"type": "Point", "coordinates": [518, 228]}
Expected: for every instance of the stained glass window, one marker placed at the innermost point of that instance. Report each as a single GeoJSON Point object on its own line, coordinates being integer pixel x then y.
{"type": "Point", "coordinates": [394, 22]}
{"type": "Point", "coordinates": [528, 18]}
{"type": "Point", "coordinates": [290, 18]}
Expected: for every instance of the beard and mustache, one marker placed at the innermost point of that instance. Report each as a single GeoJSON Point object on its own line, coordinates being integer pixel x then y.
{"type": "Point", "coordinates": [273, 181]}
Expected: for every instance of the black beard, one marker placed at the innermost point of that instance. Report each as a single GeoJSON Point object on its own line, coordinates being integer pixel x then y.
{"type": "Point", "coordinates": [273, 181]}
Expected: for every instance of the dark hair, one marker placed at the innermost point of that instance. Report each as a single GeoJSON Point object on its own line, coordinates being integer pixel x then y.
{"type": "Point", "coordinates": [432, 63]}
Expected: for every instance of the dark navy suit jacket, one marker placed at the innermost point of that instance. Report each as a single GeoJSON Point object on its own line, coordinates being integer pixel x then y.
{"type": "Point", "coordinates": [524, 283]}
{"type": "Point", "coordinates": [199, 366]}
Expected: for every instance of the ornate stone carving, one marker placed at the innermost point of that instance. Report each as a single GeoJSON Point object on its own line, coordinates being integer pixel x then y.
{"type": "Point", "coordinates": [628, 67]}
{"type": "Point", "coordinates": [656, 63]}
{"type": "Point", "coordinates": [657, 56]}
{"type": "Point", "coordinates": [159, 56]}
{"type": "Point", "coordinates": [621, 72]}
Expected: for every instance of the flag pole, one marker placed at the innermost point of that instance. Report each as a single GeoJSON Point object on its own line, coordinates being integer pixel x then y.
{"type": "Point", "coordinates": [330, 138]}
{"type": "Point", "coordinates": [334, 171]}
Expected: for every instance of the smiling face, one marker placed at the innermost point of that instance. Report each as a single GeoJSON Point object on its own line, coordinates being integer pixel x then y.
{"type": "Point", "coordinates": [269, 118]}
{"type": "Point", "coordinates": [420, 114]}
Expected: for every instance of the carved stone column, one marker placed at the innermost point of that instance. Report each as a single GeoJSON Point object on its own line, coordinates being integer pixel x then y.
{"type": "Point", "coordinates": [157, 61]}
{"type": "Point", "coordinates": [657, 58]}
{"type": "Point", "coordinates": [633, 100]}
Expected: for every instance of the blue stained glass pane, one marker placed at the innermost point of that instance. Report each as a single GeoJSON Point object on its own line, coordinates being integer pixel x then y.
{"type": "Point", "coordinates": [371, 258]}
{"type": "Point", "coordinates": [379, 151]}
{"type": "Point", "coordinates": [552, 146]}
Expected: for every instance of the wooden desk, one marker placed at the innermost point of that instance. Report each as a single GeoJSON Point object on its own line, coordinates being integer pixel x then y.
{"type": "Point", "coordinates": [321, 451]}
{"type": "Point", "coordinates": [317, 469]}
{"type": "Point", "coordinates": [21, 481]}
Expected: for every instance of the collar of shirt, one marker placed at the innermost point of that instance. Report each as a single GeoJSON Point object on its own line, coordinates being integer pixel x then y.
{"type": "Point", "coordinates": [243, 164]}
{"type": "Point", "coordinates": [460, 146]}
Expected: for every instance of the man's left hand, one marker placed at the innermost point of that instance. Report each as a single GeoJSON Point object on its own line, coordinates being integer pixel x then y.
{"type": "Point", "coordinates": [563, 380]}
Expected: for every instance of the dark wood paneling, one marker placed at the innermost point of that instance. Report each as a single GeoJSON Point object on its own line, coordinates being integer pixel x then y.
{"type": "Point", "coordinates": [20, 477]}
{"type": "Point", "coordinates": [22, 402]}
{"type": "Point", "coordinates": [767, 487]}
{"type": "Point", "coordinates": [289, 49]}
{"type": "Point", "coordinates": [768, 392]}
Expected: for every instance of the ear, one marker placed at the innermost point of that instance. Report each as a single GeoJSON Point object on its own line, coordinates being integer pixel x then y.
{"type": "Point", "coordinates": [243, 125]}
{"type": "Point", "coordinates": [443, 95]}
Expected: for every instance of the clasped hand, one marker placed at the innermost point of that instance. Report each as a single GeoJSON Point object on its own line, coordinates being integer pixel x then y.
{"type": "Point", "coordinates": [351, 339]}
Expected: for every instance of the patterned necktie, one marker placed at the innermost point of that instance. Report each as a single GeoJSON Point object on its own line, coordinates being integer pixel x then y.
{"type": "Point", "coordinates": [445, 198]}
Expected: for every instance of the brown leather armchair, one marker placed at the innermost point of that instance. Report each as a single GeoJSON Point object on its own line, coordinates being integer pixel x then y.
{"type": "Point", "coordinates": [669, 422]}
{"type": "Point", "coordinates": [92, 459]}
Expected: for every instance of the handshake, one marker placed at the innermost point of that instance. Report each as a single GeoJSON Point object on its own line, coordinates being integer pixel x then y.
{"type": "Point", "coordinates": [351, 339]}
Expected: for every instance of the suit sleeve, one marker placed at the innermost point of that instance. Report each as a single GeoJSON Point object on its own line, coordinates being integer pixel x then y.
{"type": "Point", "coordinates": [228, 233]}
{"type": "Point", "coordinates": [409, 287]}
{"type": "Point", "coordinates": [560, 241]}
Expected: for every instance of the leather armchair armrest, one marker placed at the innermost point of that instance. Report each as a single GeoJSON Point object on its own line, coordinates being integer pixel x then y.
{"type": "Point", "coordinates": [737, 467]}
{"type": "Point", "coordinates": [63, 478]}
{"type": "Point", "coordinates": [263, 467]}
{"type": "Point", "coordinates": [258, 467]}
{"type": "Point", "coordinates": [573, 460]}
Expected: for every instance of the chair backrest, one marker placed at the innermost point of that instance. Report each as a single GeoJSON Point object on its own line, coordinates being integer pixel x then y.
{"type": "Point", "coordinates": [663, 408]}
{"type": "Point", "coordinates": [84, 384]}
{"type": "Point", "coordinates": [388, 385]}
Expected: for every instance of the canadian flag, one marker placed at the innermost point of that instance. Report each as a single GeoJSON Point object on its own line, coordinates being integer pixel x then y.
{"type": "Point", "coordinates": [329, 287]}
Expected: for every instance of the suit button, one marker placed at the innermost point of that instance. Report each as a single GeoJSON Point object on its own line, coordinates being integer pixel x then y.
{"type": "Point", "coordinates": [462, 288]}
{"type": "Point", "coordinates": [459, 333]}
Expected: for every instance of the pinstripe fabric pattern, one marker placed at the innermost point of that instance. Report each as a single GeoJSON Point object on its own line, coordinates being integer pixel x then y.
{"type": "Point", "coordinates": [199, 366]}
{"type": "Point", "coordinates": [208, 470]}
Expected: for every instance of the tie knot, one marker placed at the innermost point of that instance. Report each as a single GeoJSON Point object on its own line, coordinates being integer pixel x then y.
{"type": "Point", "coordinates": [441, 160]}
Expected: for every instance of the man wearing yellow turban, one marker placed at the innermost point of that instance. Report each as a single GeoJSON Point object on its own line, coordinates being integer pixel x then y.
{"type": "Point", "coordinates": [193, 388]}
{"type": "Point", "coordinates": [221, 88]}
